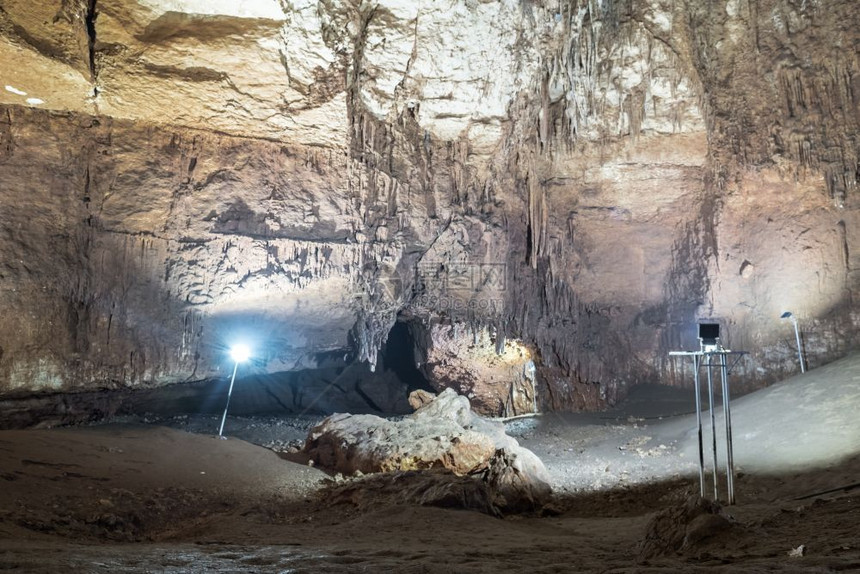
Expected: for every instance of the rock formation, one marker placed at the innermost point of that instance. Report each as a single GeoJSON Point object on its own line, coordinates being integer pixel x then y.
{"type": "Point", "coordinates": [581, 178]}
{"type": "Point", "coordinates": [497, 375]}
{"type": "Point", "coordinates": [444, 434]}
{"type": "Point", "coordinates": [419, 397]}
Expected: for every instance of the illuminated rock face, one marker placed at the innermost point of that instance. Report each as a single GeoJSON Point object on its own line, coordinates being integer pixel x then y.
{"type": "Point", "coordinates": [498, 379]}
{"type": "Point", "coordinates": [585, 179]}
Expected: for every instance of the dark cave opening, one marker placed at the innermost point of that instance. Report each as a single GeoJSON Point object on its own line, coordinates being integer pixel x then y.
{"type": "Point", "coordinates": [399, 356]}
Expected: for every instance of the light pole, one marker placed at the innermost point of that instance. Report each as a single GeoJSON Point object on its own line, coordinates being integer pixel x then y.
{"type": "Point", "coordinates": [239, 354]}
{"type": "Point", "coordinates": [790, 315]}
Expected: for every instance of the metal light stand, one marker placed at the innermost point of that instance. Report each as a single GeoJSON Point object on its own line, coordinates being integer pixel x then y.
{"type": "Point", "coordinates": [229, 394]}
{"type": "Point", "coordinates": [714, 356]}
{"type": "Point", "coordinates": [239, 353]}
{"type": "Point", "coordinates": [790, 316]}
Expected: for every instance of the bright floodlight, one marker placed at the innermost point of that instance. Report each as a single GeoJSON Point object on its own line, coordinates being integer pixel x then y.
{"type": "Point", "coordinates": [240, 353]}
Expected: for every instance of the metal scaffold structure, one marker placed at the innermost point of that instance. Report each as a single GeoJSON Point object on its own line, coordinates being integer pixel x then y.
{"type": "Point", "coordinates": [712, 355]}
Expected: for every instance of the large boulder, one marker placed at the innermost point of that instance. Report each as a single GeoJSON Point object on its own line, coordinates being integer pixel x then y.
{"type": "Point", "coordinates": [443, 434]}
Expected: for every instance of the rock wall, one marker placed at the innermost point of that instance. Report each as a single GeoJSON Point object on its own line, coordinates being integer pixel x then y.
{"type": "Point", "coordinates": [498, 375]}
{"type": "Point", "coordinates": [585, 177]}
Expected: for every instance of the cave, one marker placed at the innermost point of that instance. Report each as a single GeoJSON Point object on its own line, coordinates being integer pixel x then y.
{"type": "Point", "coordinates": [474, 285]}
{"type": "Point", "coordinates": [399, 356]}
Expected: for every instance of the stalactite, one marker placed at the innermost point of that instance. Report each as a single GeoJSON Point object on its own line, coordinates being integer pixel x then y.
{"type": "Point", "coordinates": [537, 218]}
{"type": "Point", "coordinates": [544, 118]}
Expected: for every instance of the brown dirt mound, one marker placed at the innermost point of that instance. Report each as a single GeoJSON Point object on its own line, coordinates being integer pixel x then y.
{"type": "Point", "coordinates": [685, 528]}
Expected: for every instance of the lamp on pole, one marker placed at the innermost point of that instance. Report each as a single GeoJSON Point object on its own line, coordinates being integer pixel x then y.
{"type": "Point", "coordinates": [789, 315]}
{"type": "Point", "coordinates": [239, 353]}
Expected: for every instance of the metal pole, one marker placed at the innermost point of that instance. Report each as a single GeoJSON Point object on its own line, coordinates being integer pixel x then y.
{"type": "Point", "coordinates": [227, 406]}
{"type": "Point", "coordinates": [727, 414]}
{"type": "Point", "coordinates": [699, 425]}
{"type": "Point", "coordinates": [799, 349]}
{"type": "Point", "coordinates": [709, 357]}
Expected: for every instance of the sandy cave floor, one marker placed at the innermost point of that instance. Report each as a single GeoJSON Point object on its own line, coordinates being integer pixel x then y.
{"type": "Point", "coordinates": [164, 495]}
